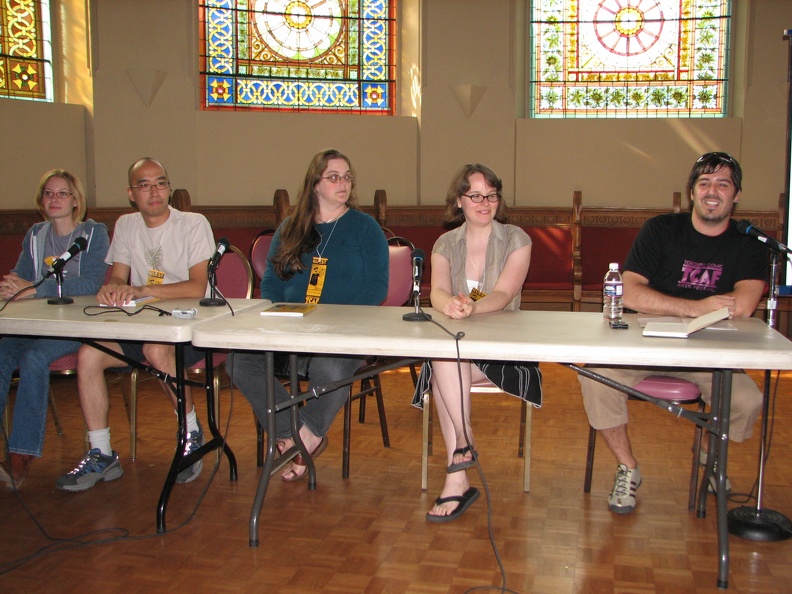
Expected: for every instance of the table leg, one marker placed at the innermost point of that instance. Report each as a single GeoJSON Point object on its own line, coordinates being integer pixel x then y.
{"type": "Point", "coordinates": [724, 398]}
{"type": "Point", "coordinates": [217, 441]}
{"type": "Point", "coordinates": [269, 459]}
{"type": "Point", "coordinates": [181, 413]}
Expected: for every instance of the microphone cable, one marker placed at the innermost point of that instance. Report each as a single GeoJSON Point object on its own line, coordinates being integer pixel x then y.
{"type": "Point", "coordinates": [485, 485]}
{"type": "Point", "coordinates": [58, 544]}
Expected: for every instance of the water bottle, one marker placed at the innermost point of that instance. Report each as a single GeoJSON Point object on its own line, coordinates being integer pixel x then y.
{"type": "Point", "coordinates": [613, 294]}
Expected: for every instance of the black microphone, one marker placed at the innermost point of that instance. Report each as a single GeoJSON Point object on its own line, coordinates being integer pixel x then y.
{"type": "Point", "coordinates": [418, 256]}
{"type": "Point", "coordinates": [79, 245]}
{"type": "Point", "coordinates": [222, 246]}
{"type": "Point", "coordinates": [746, 228]}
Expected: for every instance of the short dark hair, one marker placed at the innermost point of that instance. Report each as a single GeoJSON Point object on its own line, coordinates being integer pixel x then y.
{"type": "Point", "coordinates": [461, 184]}
{"type": "Point", "coordinates": [710, 163]}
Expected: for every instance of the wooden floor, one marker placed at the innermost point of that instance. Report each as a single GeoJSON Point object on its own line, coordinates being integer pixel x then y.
{"type": "Point", "coordinates": [368, 533]}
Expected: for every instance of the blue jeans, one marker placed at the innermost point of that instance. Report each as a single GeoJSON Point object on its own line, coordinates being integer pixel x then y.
{"type": "Point", "coordinates": [246, 370]}
{"type": "Point", "coordinates": [32, 357]}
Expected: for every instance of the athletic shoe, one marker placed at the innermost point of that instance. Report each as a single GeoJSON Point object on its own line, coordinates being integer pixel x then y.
{"type": "Point", "coordinates": [195, 439]}
{"type": "Point", "coordinates": [712, 481]}
{"type": "Point", "coordinates": [93, 468]}
{"type": "Point", "coordinates": [622, 499]}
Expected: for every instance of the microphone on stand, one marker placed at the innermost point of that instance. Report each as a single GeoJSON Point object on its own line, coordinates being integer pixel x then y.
{"type": "Point", "coordinates": [746, 228]}
{"type": "Point", "coordinates": [57, 269]}
{"type": "Point", "coordinates": [418, 256]}
{"type": "Point", "coordinates": [211, 268]}
{"type": "Point", "coordinates": [222, 246]}
{"type": "Point", "coordinates": [57, 266]}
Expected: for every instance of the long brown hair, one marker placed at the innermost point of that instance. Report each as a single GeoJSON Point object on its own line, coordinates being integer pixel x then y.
{"type": "Point", "coordinates": [298, 234]}
{"type": "Point", "coordinates": [460, 185]}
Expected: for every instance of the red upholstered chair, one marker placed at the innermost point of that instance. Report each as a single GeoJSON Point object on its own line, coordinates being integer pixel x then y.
{"type": "Point", "coordinates": [676, 391]}
{"type": "Point", "coordinates": [259, 250]}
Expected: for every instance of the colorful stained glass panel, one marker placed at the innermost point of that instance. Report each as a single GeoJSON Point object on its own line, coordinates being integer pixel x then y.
{"type": "Point", "coordinates": [629, 58]}
{"type": "Point", "coordinates": [25, 52]}
{"type": "Point", "coordinates": [324, 55]}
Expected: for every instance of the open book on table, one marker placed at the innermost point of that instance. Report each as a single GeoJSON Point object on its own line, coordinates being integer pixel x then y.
{"type": "Point", "coordinates": [684, 329]}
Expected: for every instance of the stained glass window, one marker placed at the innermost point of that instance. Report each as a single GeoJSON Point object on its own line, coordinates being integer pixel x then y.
{"type": "Point", "coordinates": [629, 58]}
{"type": "Point", "coordinates": [304, 55]}
{"type": "Point", "coordinates": [25, 50]}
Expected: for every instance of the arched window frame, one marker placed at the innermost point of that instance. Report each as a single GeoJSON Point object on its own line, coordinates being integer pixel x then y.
{"type": "Point", "coordinates": [591, 59]}
{"type": "Point", "coordinates": [247, 62]}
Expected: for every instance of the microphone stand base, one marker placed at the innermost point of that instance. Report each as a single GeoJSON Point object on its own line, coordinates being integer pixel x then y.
{"type": "Point", "coordinates": [763, 525]}
{"type": "Point", "coordinates": [60, 301]}
{"type": "Point", "coordinates": [415, 316]}
{"type": "Point", "coordinates": [212, 302]}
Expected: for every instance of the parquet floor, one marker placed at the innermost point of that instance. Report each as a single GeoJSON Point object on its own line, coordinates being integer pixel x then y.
{"type": "Point", "coordinates": [368, 533]}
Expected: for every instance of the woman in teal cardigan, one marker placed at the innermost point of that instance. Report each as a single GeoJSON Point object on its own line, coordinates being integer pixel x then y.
{"type": "Point", "coordinates": [327, 251]}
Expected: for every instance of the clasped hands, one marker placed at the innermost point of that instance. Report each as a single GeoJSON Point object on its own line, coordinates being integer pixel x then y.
{"type": "Point", "coordinates": [12, 283]}
{"type": "Point", "coordinates": [458, 307]}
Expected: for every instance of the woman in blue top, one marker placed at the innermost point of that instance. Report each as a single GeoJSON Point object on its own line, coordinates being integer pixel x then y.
{"type": "Point", "coordinates": [61, 202]}
{"type": "Point", "coordinates": [327, 251]}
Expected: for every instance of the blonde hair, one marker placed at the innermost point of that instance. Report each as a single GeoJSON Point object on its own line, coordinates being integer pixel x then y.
{"type": "Point", "coordinates": [75, 188]}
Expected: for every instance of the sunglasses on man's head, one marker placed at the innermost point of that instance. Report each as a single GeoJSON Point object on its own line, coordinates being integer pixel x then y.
{"type": "Point", "coordinates": [722, 157]}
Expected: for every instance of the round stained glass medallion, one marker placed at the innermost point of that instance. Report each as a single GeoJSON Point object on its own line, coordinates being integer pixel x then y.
{"type": "Point", "coordinates": [299, 29]}
{"type": "Point", "coordinates": [628, 33]}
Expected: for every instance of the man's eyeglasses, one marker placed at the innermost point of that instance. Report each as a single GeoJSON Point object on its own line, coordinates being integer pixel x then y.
{"type": "Point", "coordinates": [722, 157]}
{"type": "Point", "coordinates": [479, 198]}
{"type": "Point", "coordinates": [61, 195]}
{"type": "Point", "coordinates": [146, 187]}
{"type": "Point", "coordinates": [337, 179]}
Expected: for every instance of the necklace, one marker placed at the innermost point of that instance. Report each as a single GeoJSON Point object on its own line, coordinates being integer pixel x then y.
{"type": "Point", "coordinates": [321, 222]}
{"type": "Point", "coordinates": [477, 271]}
{"type": "Point", "coordinates": [328, 238]}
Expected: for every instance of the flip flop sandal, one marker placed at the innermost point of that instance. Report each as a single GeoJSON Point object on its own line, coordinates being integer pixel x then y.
{"type": "Point", "coordinates": [464, 464]}
{"type": "Point", "coordinates": [465, 501]}
{"type": "Point", "coordinates": [298, 460]}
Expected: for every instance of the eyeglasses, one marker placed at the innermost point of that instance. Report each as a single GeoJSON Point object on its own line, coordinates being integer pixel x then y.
{"type": "Point", "coordinates": [479, 198]}
{"type": "Point", "coordinates": [61, 195]}
{"type": "Point", "coordinates": [337, 179]}
{"type": "Point", "coordinates": [722, 157]}
{"type": "Point", "coordinates": [146, 187]}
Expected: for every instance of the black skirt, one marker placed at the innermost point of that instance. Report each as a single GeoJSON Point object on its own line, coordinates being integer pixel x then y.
{"type": "Point", "coordinates": [523, 380]}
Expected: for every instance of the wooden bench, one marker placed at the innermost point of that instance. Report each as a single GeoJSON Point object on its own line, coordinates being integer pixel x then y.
{"type": "Point", "coordinates": [571, 246]}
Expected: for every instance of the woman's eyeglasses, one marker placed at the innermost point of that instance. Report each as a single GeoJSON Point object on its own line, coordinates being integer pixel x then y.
{"type": "Point", "coordinates": [49, 194]}
{"type": "Point", "coordinates": [479, 198]}
{"type": "Point", "coordinates": [334, 178]}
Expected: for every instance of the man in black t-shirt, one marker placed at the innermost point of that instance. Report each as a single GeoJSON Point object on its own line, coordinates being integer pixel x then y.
{"type": "Point", "coordinates": [685, 265]}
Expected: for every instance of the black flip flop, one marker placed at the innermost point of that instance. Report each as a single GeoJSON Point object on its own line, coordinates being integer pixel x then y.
{"type": "Point", "coordinates": [463, 465]}
{"type": "Point", "coordinates": [465, 500]}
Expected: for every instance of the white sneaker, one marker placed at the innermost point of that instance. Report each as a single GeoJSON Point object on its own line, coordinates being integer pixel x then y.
{"type": "Point", "coordinates": [712, 481]}
{"type": "Point", "coordinates": [622, 498]}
